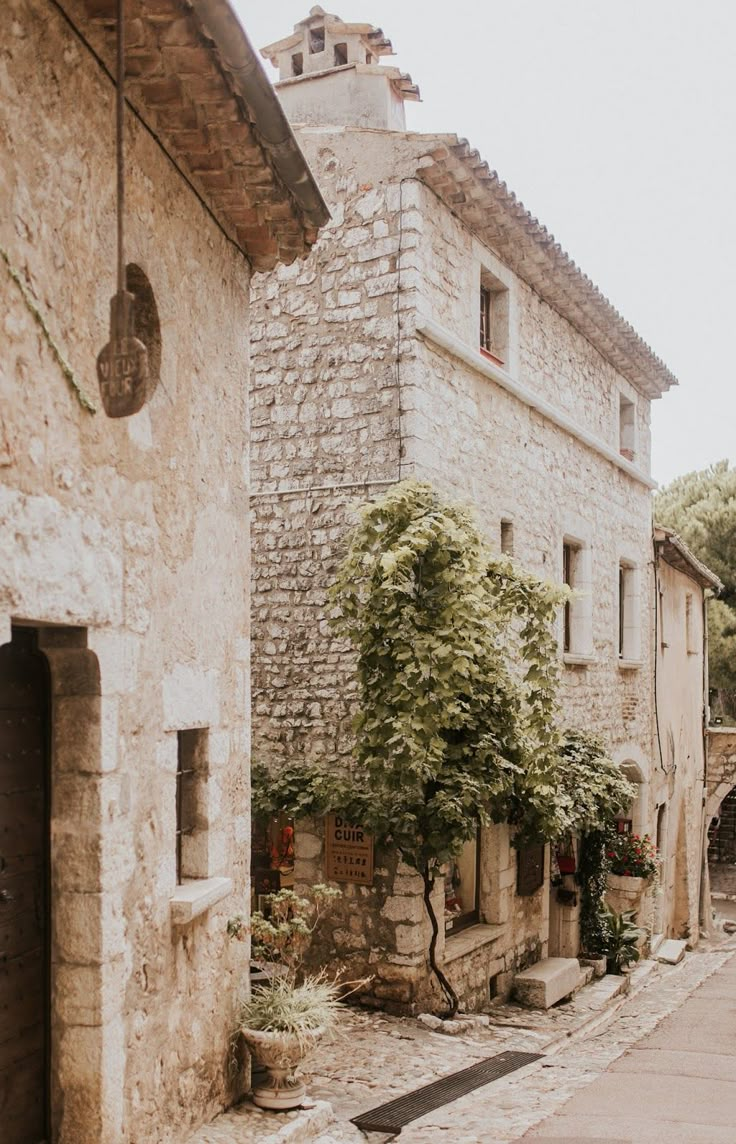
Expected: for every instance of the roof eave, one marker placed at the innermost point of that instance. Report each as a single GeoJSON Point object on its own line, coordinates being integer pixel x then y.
{"type": "Point", "coordinates": [240, 60]}
{"type": "Point", "coordinates": [675, 552]}
{"type": "Point", "coordinates": [492, 212]}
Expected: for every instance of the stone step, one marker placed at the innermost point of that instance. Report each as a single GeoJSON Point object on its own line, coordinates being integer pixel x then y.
{"type": "Point", "coordinates": [586, 976]}
{"type": "Point", "coordinates": [671, 951]}
{"type": "Point", "coordinates": [655, 942]}
{"type": "Point", "coordinates": [544, 984]}
{"type": "Point", "coordinates": [246, 1124]}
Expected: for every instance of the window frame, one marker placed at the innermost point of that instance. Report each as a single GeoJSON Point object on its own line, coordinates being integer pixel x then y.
{"type": "Point", "coordinates": [459, 922]}
{"type": "Point", "coordinates": [577, 613]}
{"type": "Point", "coordinates": [629, 613]}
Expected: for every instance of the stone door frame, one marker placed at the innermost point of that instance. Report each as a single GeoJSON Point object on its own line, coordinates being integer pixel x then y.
{"type": "Point", "coordinates": [87, 929]}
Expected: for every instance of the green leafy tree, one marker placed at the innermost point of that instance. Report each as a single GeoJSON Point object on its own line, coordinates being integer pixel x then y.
{"type": "Point", "coordinates": [456, 663]}
{"type": "Point", "coordinates": [701, 508]}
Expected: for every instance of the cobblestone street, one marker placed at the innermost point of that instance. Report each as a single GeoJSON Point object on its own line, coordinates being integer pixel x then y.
{"type": "Point", "coordinates": [376, 1058]}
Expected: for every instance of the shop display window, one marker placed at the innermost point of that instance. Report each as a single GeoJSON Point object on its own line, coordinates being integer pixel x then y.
{"type": "Point", "coordinates": [272, 850]}
{"type": "Point", "coordinates": [462, 888]}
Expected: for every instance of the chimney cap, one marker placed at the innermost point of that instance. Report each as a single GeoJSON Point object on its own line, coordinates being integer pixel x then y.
{"type": "Point", "coordinates": [374, 38]}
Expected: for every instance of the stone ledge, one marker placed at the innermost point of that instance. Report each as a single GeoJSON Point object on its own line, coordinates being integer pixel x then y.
{"type": "Point", "coordinates": [572, 659]}
{"type": "Point", "coordinates": [630, 664]}
{"type": "Point", "coordinates": [193, 898]}
{"type": "Point", "coordinates": [469, 940]}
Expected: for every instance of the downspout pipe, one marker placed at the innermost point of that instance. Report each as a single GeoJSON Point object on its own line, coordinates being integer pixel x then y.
{"type": "Point", "coordinates": [250, 82]}
{"type": "Point", "coordinates": [704, 912]}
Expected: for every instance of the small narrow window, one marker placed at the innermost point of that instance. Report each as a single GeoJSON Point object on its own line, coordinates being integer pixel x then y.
{"type": "Point", "coordinates": [494, 317]}
{"type": "Point", "coordinates": [628, 613]}
{"type": "Point", "coordinates": [368, 58]}
{"type": "Point", "coordinates": [297, 63]}
{"type": "Point", "coordinates": [577, 617]}
{"type": "Point", "coordinates": [567, 579]}
{"type": "Point", "coordinates": [191, 811]}
{"type": "Point", "coordinates": [626, 428]}
{"type": "Point", "coordinates": [317, 40]}
{"type": "Point", "coordinates": [341, 55]}
{"type": "Point", "coordinates": [485, 319]}
{"type": "Point", "coordinates": [690, 625]}
{"type": "Point", "coordinates": [507, 537]}
{"type": "Point", "coordinates": [621, 609]}
{"type": "Point", "coordinates": [462, 888]}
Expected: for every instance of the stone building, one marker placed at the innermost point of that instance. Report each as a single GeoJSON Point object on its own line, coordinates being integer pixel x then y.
{"type": "Point", "coordinates": [124, 600]}
{"type": "Point", "coordinates": [438, 331]}
{"type": "Point", "coordinates": [677, 777]}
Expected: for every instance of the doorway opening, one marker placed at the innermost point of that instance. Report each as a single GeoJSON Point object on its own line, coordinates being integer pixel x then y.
{"type": "Point", "coordinates": [25, 994]}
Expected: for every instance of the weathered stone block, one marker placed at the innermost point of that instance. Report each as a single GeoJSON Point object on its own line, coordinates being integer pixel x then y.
{"type": "Point", "coordinates": [547, 982]}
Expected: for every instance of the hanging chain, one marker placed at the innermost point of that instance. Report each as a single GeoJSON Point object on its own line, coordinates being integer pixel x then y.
{"type": "Point", "coordinates": [122, 365]}
{"type": "Point", "coordinates": [119, 142]}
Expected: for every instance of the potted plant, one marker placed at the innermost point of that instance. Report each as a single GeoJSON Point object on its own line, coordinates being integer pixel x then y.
{"type": "Point", "coordinates": [283, 1018]}
{"type": "Point", "coordinates": [621, 939]}
{"type": "Point", "coordinates": [633, 866]}
{"type": "Point", "coordinates": [281, 1023]}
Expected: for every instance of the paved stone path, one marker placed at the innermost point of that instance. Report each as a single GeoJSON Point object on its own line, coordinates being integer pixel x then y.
{"type": "Point", "coordinates": [376, 1057]}
{"type": "Point", "coordinates": [676, 1084]}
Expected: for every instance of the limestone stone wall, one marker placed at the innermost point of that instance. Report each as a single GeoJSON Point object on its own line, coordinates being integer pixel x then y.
{"type": "Point", "coordinates": [125, 543]}
{"type": "Point", "coordinates": [330, 430]}
{"type": "Point", "coordinates": [677, 782]}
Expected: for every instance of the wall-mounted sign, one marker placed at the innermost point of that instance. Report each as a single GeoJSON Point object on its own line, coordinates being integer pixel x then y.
{"type": "Point", "coordinates": [348, 852]}
{"type": "Point", "coordinates": [122, 366]}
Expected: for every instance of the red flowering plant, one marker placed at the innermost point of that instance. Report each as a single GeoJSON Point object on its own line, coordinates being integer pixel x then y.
{"type": "Point", "coordinates": [633, 856]}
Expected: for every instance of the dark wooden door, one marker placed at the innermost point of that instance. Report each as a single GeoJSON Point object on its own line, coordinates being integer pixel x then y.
{"type": "Point", "coordinates": [24, 986]}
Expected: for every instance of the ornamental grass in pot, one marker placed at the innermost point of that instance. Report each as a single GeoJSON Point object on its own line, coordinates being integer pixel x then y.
{"type": "Point", "coordinates": [282, 1020]}
{"type": "Point", "coordinates": [281, 1023]}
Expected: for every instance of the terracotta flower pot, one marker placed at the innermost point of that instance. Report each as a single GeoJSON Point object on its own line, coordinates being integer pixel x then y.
{"type": "Point", "coordinates": [280, 1054]}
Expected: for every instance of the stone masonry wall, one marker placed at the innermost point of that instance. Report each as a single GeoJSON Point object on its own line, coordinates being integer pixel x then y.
{"type": "Point", "coordinates": [452, 426]}
{"type": "Point", "coordinates": [135, 533]}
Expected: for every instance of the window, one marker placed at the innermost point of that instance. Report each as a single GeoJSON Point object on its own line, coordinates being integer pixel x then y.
{"type": "Point", "coordinates": [626, 428]}
{"type": "Point", "coordinates": [341, 55]}
{"type": "Point", "coordinates": [369, 57]}
{"type": "Point", "coordinates": [628, 612]}
{"type": "Point", "coordinates": [317, 40]}
{"type": "Point", "coordinates": [462, 888]}
{"type": "Point", "coordinates": [297, 63]}
{"type": "Point", "coordinates": [191, 809]}
{"type": "Point", "coordinates": [577, 620]}
{"type": "Point", "coordinates": [568, 560]}
{"type": "Point", "coordinates": [690, 641]}
{"type": "Point", "coordinates": [507, 537]}
{"type": "Point", "coordinates": [272, 857]}
{"type": "Point", "coordinates": [494, 317]}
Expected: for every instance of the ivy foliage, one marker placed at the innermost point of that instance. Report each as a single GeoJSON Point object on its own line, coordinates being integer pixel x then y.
{"type": "Point", "coordinates": [457, 724]}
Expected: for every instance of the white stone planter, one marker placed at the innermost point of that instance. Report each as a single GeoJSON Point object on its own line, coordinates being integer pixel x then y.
{"type": "Point", "coordinates": [280, 1054]}
{"type": "Point", "coordinates": [624, 893]}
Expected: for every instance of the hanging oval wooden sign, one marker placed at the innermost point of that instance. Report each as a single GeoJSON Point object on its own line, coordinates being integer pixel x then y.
{"type": "Point", "coordinates": [122, 373]}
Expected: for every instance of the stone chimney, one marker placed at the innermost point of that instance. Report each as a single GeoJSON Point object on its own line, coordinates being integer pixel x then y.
{"type": "Point", "coordinates": [330, 73]}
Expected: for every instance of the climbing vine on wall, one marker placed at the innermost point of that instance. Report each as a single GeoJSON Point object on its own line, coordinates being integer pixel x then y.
{"type": "Point", "coordinates": [457, 724]}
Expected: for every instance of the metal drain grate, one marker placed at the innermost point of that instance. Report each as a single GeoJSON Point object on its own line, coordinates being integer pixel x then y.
{"type": "Point", "coordinates": [393, 1116]}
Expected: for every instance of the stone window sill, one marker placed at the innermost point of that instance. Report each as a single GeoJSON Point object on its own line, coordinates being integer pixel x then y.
{"type": "Point", "coordinates": [629, 664]}
{"type": "Point", "coordinates": [195, 897]}
{"type": "Point", "coordinates": [470, 940]}
{"type": "Point", "coordinates": [578, 659]}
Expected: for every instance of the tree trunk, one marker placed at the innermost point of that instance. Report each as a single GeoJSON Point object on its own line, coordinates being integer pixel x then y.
{"type": "Point", "coordinates": [452, 997]}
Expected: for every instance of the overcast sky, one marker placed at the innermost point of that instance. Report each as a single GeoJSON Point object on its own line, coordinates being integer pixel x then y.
{"type": "Point", "coordinates": [615, 124]}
